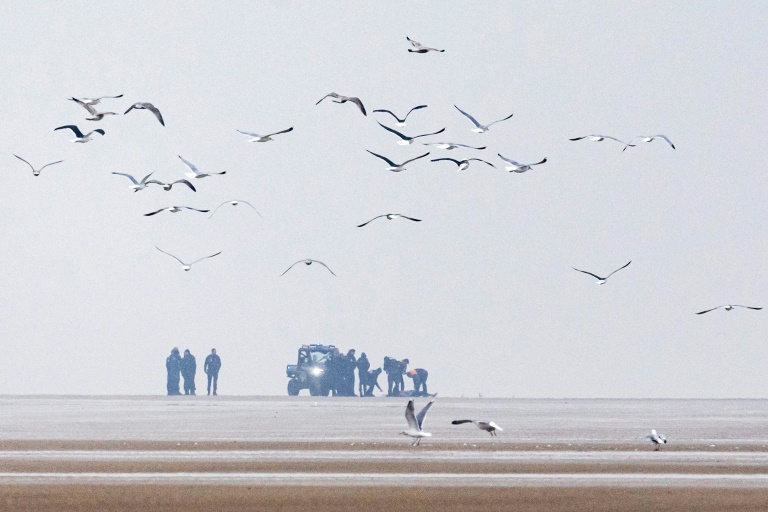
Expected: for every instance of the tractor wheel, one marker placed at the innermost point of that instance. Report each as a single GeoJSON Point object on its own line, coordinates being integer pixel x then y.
{"type": "Point", "coordinates": [293, 387]}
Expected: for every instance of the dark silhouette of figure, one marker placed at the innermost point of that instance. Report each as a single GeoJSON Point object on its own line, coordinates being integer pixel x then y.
{"type": "Point", "coordinates": [350, 363]}
{"type": "Point", "coordinates": [334, 373]}
{"type": "Point", "coordinates": [173, 367]}
{"type": "Point", "coordinates": [419, 376]}
{"type": "Point", "coordinates": [188, 370]}
{"type": "Point", "coordinates": [362, 371]}
{"type": "Point", "coordinates": [370, 379]}
{"type": "Point", "coordinates": [391, 368]}
{"type": "Point", "coordinates": [211, 368]}
{"type": "Point", "coordinates": [402, 368]}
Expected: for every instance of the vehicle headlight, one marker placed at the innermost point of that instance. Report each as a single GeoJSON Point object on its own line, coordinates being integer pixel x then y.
{"type": "Point", "coordinates": [316, 371]}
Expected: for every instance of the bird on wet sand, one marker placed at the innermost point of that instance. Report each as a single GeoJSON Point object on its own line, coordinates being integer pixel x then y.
{"type": "Point", "coordinates": [416, 422]}
{"type": "Point", "coordinates": [728, 307]}
{"type": "Point", "coordinates": [481, 128]}
{"type": "Point", "coordinates": [186, 266]}
{"type": "Point", "coordinates": [78, 134]}
{"type": "Point", "coordinates": [36, 172]}
{"type": "Point", "coordinates": [147, 106]}
{"type": "Point", "coordinates": [656, 439]}
{"type": "Point", "coordinates": [338, 98]}
{"type": "Point", "coordinates": [401, 122]}
{"type": "Point", "coordinates": [389, 216]}
{"type": "Point", "coordinates": [308, 262]}
{"type": "Point", "coordinates": [395, 167]}
{"type": "Point", "coordinates": [488, 426]}
{"type": "Point", "coordinates": [602, 280]}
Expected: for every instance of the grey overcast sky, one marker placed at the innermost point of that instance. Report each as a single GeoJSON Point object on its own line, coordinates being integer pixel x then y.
{"type": "Point", "coordinates": [481, 293]}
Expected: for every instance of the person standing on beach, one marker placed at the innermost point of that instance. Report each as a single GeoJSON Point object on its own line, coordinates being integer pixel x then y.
{"type": "Point", "coordinates": [363, 365]}
{"type": "Point", "coordinates": [188, 370]}
{"type": "Point", "coordinates": [211, 368]}
{"type": "Point", "coordinates": [402, 367]}
{"type": "Point", "coordinates": [173, 367]}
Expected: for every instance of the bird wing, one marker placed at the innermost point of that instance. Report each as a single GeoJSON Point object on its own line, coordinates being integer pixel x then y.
{"type": "Point", "coordinates": [183, 181]}
{"type": "Point", "coordinates": [459, 422]}
{"type": "Point", "coordinates": [72, 127]}
{"type": "Point", "coordinates": [29, 164]}
{"type": "Point", "coordinates": [409, 218]}
{"type": "Point", "coordinates": [282, 131]}
{"type": "Point", "coordinates": [217, 209]}
{"type": "Point", "coordinates": [465, 146]}
{"type": "Point", "coordinates": [86, 106]}
{"type": "Point", "coordinates": [52, 163]}
{"type": "Point", "coordinates": [625, 266]}
{"type": "Point", "coordinates": [359, 104]}
{"type": "Point", "coordinates": [130, 108]}
{"type": "Point", "coordinates": [509, 160]}
{"type": "Point", "coordinates": [543, 160]}
{"type": "Point", "coordinates": [404, 137]}
{"type": "Point", "coordinates": [629, 144]}
{"type": "Point", "coordinates": [415, 44]}
{"type": "Point", "coordinates": [189, 164]}
{"type": "Point", "coordinates": [330, 94]}
{"type": "Point", "coordinates": [133, 180]}
{"type": "Point", "coordinates": [249, 204]}
{"type": "Point", "coordinates": [145, 178]}
{"type": "Point", "coordinates": [205, 258]}
{"type": "Point", "coordinates": [104, 97]}
{"type": "Point", "coordinates": [323, 264]}
{"type": "Point", "coordinates": [412, 159]}
{"type": "Point", "coordinates": [428, 134]}
{"type": "Point", "coordinates": [748, 307]}
{"type": "Point", "coordinates": [500, 120]}
{"type": "Point", "coordinates": [155, 111]}
{"type": "Point", "coordinates": [469, 116]}
{"type": "Point", "coordinates": [410, 417]}
{"type": "Point", "coordinates": [390, 162]}
{"type": "Point", "coordinates": [708, 310]}
{"type": "Point", "coordinates": [156, 183]}
{"type": "Point", "coordinates": [169, 254]}
{"type": "Point", "coordinates": [457, 162]}
{"type": "Point", "coordinates": [481, 160]}
{"type": "Point", "coordinates": [373, 219]}
{"type": "Point", "coordinates": [289, 268]}
{"type": "Point", "coordinates": [249, 133]}
{"type": "Point", "coordinates": [423, 413]}
{"type": "Point", "coordinates": [392, 114]}
{"type": "Point", "coordinates": [585, 272]}
{"type": "Point", "coordinates": [409, 112]}
{"type": "Point", "coordinates": [664, 137]}
{"type": "Point", "coordinates": [154, 213]}
{"type": "Point", "coordinates": [97, 130]}
{"type": "Point", "coordinates": [194, 209]}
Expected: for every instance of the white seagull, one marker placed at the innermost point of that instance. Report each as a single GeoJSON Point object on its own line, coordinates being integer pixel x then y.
{"type": "Point", "coordinates": [138, 185]}
{"type": "Point", "coordinates": [36, 172]}
{"type": "Point", "coordinates": [728, 307]}
{"type": "Point", "coordinates": [648, 138]}
{"type": "Point", "coordinates": [233, 202]}
{"type": "Point", "coordinates": [195, 172]}
{"type": "Point", "coordinates": [602, 280]}
{"type": "Point", "coordinates": [406, 139]}
{"type": "Point", "coordinates": [80, 137]}
{"type": "Point", "coordinates": [393, 166]}
{"type": "Point", "coordinates": [401, 122]}
{"type": "Point", "coordinates": [449, 145]}
{"type": "Point", "coordinates": [174, 209]}
{"type": "Point", "coordinates": [263, 138]}
{"type": "Point", "coordinates": [338, 98]}
{"type": "Point", "coordinates": [419, 48]}
{"type": "Point", "coordinates": [488, 426]}
{"type": "Point", "coordinates": [599, 138]}
{"type": "Point", "coordinates": [517, 166]}
{"type": "Point", "coordinates": [308, 262]}
{"type": "Point", "coordinates": [481, 128]}
{"type": "Point", "coordinates": [656, 439]}
{"type": "Point", "coordinates": [416, 423]}
{"type": "Point", "coordinates": [389, 216]}
{"type": "Point", "coordinates": [169, 186]}
{"type": "Point", "coordinates": [96, 101]}
{"type": "Point", "coordinates": [186, 266]}
{"type": "Point", "coordinates": [463, 164]}
{"type": "Point", "coordinates": [95, 116]}
{"type": "Point", "coordinates": [147, 106]}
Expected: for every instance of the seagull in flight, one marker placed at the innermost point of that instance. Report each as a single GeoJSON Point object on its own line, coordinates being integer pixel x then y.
{"type": "Point", "coordinates": [138, 185]}
{"type": "Point", "coordinates": [169, 186]}
{"type": "Point", "coordinates": [602, 280]}
{"type": "Point", "coordinates": [449, 145]}
{"type": "Point", "coordinates": [648, 138]}
{"type": "Point", "coordinates": [338, 98]}
{"type": "Point", "coordinates": [263, 138]}
{"type": "Point", "coordinates": [174, 209]}
{"type": "Point", "coordinates": [517, 166]}
{"type": "Point", "coordinates": [308, 262]}
{"type": "Point", "coordinates": [233, 202]}
{"type": "Point", "coordinates": [393, 166]}
{"type": "Point", "coordinates": [389, 216]}
{"type": "Point", "coordinates": [727, 307]}
{"type": "Point", "coordinates": [488, 426]}
{"type": "Point", "coordinates": [80, 137]}
{"type": "Point", "coordinates": [463, 164]}
{"type": "Point", "coordinates": [186, 266]}
{"type": "Point", "coordinates": [195, 172]}
{"type": "Point", "coordinates": [147, 106]}
{"type": "Point", "coordinates": [481, 128]}
{"type": "Point", "coordinates": [600, 138]}
{"type": "Point", "coordinates": [656, 439]}
{"type": "Point", "coordinates": [95, 116]}
{"type": "Point", "coordinates": [401, 122]}
{"type": "Point", "coordinates": [36, 172]}
{"type": "Point", "coordinates": [406, 139]}
{"type": "Point", "coordinates": [96, 101]}
{"type": "Point", "coordinates": [419, 48]}
{"type": "Point", "coordinates": [416, 423]}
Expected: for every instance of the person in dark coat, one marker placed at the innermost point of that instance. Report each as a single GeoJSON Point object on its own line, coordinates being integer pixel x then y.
{"type": "Point", "coordinates": [402, 368]}
{"type": "Point", "coordinates": [350, 363]}
{"type": "Point", "coordinates": [211, 368]}
{"type": "Point", "coordinates": [390, 368]}
{"type": "Point", "coordinates": [419, 376]}
{"type": "Point", "coordinates": [173, 367]}
{"type": "Point", "coordinates": [188, 370]}
{"type": "Point", "coordinates": [363, 365]}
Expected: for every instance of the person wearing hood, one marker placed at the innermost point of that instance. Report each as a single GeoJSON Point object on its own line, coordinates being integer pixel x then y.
{"type": "Point", "coordinates": [173, 367]}
{"type": "Point", "coordinates": [188, 370]}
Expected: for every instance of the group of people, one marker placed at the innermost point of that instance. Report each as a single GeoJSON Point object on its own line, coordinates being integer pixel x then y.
{"type": "Point", "coordinates": [341, 375]}
{"type": "Point", "coordinates": [186, 367]}
{"type": "Point", "coordinates": [396, 385]}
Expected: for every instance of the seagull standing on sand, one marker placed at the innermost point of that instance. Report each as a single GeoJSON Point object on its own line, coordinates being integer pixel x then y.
{"type": "Point", "coordinates": [389, 216]}
{"type": "Point", "coordinates": [308, 262]}
{"type": "Point", "coordinates": [463, 164]}
{"type": "Point", "coordinates": [488, 426]}
{"type": "Point", "coordinates": [174, 209]}
{"type": "Point", "coordinates": [419, 48]}
{"type": "Point", "coordinates": [416, 423]}
{"type": "Point", "coordinates": [338, 98]}
{"type": "Point", "coordinates": [517, 166]}
{"type": "Point", "coordinates": [449, 145]}
{"type": "Point", "coordinates": [401, 122]}
{"type": "Point", "coordinates": [648, 138]}
{"type": "Point", "coordinates": [406, 139]}
{"type": "Point", "coordinates": [393, 166]}
{"type": "Point", "coordinates": [36, 172]}
{"type": "Point", "coordinates": [656, 439]}
{"type": "Point", "coordinates": [481, 128]}
{"type": "Point", "coordinates": [728, 307]}
{"type": "Point", "coordinates": [233, 202]}
{"type": "Point", "coordinates": [80, 137]}
{"type": "Point", "coordinates": [263, 138]}
{"type": "Point", "coordinates": [95, 116]}
{"type": "Point", "coordinates": [147, 106]}
{"type": "Point", "coordinates": [195, 172]}
{"type": "Point", "coordinates": [186, 266]}
{"type": "Point", "coordinates": [602, 280]}
{"type": "Point", "coordinates": [137, 185]}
